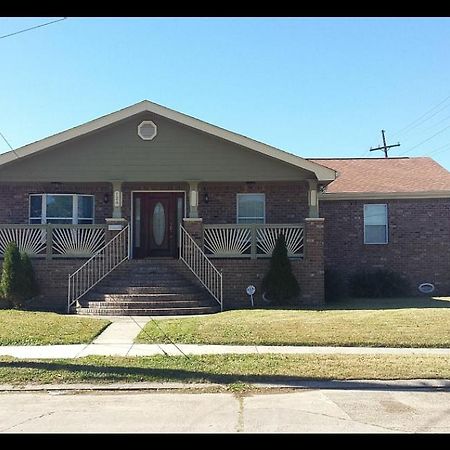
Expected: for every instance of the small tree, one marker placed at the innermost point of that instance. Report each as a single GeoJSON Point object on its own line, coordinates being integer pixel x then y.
{"type": "Point", "coordinates": [10, 285]}
{"type": "Point", "coordinates": [28, 285]}
{"type": "Point", "coordinates": [280, 284]}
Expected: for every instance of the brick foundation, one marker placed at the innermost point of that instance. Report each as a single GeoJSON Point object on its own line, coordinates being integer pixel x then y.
{"type": "Point", "coordinates": [239, 273]}
{"type": "Point", "coordinates": [52, 278]}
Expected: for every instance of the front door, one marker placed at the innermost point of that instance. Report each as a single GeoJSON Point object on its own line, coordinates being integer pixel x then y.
{"type": "Point", "coordinates": [156, 220]}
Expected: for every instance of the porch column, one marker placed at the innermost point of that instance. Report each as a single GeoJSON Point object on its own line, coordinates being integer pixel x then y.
{"type": "Point", "coordinates": [117, 199]}
{"type": "Point", "coordinates": [193, 198]}
{"type": "Point", "coordinates": [116, 223]}
{"type": "Point", "coordinates": [313, 201]}
{"type": "Point", "coordinates": [313, 282]}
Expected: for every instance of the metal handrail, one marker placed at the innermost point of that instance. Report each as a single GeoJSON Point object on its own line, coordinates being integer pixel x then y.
{"type": "Point", "coordinates": [200, 265]}
{"type": "Point", "coordinates": [103, 262]}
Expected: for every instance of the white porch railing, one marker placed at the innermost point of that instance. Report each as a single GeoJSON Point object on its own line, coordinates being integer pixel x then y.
{"type": "Point", "coordinates": [104, 261]}
{"type": "Point", "coordinates": [199, 264]}
{"type": "Point", "coordinates": [54, 240]}
{"type": "Point", "coordinates": [251, 241]}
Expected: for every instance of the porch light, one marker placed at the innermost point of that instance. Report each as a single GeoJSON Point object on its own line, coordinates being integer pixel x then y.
{"type": "Point", "coordinates": [206, 197]}
{"type": "Point", "coordinates": [106, 198]}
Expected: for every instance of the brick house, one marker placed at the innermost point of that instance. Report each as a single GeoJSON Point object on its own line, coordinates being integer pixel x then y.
{"type": "Point", "coordinates": [150, 211]}
{"type": "Point", "coordinates": [389, 213]}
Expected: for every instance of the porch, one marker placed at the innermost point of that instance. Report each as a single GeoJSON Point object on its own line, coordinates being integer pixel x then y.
{"type": "Point", "coordinates": [234, 226]}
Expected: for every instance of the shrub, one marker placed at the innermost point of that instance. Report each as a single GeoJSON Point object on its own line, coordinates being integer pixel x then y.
{"type": "Point", "coordinates": [280, 285]}
{"type": "Point", "coordinates": [29, 288]}
{"type": "Point", "coordinates": [378, 283]}
{"type": "Point", "coordinates": [10, 285]}
{"type": "Point", "coordinates": [335, 286]}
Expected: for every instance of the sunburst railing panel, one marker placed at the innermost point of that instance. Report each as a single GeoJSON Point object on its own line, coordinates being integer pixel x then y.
{"type": "Point", "coordinates": [227, 242]}
{"type": "Point", "coordinates": [251, 241]}
{"type": "Point", "coordinates": [30, 239]}
{"type": "Point", "coordinates": [266, 239]}
{"type": "Point", "coordinates": [53, 240]}
{"type": "Point", "coordinates": [77, 241]}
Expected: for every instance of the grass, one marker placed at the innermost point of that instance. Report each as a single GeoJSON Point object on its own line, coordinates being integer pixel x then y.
{"type": "Point", "coordinates": [227, 369]}
{"type": "Point", "coordinates": [408, 322]}
{"type": "Point", "coordinates": [43, 328]}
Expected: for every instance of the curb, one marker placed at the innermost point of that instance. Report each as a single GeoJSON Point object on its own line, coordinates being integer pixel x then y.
{"type": "Point", "coordinates": [394, 385]}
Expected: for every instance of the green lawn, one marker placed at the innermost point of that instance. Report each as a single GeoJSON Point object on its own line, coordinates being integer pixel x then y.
{"type": "Point", "coordinates": [227, 369]}
{"type": "Point", "coordinates": [408, 322]}
{"type": "Point", "coordinates": [42, 328]}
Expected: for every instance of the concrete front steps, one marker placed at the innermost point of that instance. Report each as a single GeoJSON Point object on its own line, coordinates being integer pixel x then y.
{"type": "Point", "coordinates": [149, 287]}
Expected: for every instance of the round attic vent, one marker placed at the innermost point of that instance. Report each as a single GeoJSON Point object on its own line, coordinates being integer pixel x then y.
{"type": "Point", "coordinates": [147, 130]}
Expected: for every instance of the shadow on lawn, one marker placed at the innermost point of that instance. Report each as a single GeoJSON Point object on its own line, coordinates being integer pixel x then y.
{"type": "Point", "coordinates": [369, 303]}
{"type": "Point", "coordinates": [390, 303]}
{"type": "Point", "coordinates": [91, 373]}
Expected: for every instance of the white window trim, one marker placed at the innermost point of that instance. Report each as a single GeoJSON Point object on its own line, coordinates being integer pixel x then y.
{"type": "Point", "coordinates": [386, 219]}
{"type": "Point", "coordinates": [155, 130]}
{"type": "Point", "coordinates": [74, 217]}
{"type": "Point", "coordinates": [250, 218]}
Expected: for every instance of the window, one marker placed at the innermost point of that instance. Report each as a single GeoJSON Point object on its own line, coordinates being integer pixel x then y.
{"type": "Point", "coordinates": [375, 224]}
{"type": "Point", "coordinates": [251, 208]}
{"type": "Point", "coordinates": [61, 208]}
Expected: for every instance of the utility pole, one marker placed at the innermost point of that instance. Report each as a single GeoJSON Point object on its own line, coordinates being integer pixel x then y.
{"type": "Point", "coordinates": [384, 147]}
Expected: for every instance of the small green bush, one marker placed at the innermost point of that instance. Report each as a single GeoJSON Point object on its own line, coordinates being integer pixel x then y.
{"type": "Point", "coordinates": [335, 285]}
{"type": "Point", "coordinates": [18, 282]}
{"type": "Point", "coordinates": [378, 283]}
{"type": "Point", "coordinates": [10, 285]}
{"type": "Point", "coordinates": [280, 285]}
{"type": "Point", "coordinates": [29, 287]}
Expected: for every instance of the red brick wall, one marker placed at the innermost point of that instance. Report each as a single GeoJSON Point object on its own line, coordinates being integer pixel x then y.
{"type": "Point", "coordinates": [285, 202]}
{"type": "Point", "coordinates": [52, 277]}
{"type": "Point", "coordinates": [419, 239]}
{"type": "Point", "coordinates": [14, 198]}
{"type": "Point", "coordinates": [239, 273]}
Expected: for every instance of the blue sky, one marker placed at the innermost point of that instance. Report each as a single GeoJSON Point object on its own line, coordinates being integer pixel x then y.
{"type": "Point", "coordinates": [316, 87]}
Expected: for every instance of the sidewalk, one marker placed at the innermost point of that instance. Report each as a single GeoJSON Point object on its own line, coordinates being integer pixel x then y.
{"type": "Point", "coordinates": [117, 340]}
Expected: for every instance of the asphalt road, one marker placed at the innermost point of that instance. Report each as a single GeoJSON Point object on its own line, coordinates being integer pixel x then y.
{"type": "Point", "coordinates": [308, 410]}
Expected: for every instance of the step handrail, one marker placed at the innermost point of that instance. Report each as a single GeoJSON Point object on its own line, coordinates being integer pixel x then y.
{"type": "Point", "coordinates": [102, 263]}
{"type": "Point", "coordinates": [200, 265]}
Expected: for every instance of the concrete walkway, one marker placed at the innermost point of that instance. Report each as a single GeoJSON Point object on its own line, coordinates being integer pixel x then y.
{"type": "Point", "coordinates": [117, 340]}
{"type": "Point", "coordinates": [122, 349]}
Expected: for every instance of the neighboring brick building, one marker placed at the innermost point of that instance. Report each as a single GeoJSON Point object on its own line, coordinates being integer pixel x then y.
{"type": "Point", "coordinates": [414, 194]}
{"type": "Point", "coordinates": [122, 185]}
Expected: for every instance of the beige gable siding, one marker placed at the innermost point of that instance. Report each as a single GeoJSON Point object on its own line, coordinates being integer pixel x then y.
{"type": "Point", "coordinates": [177, 153]}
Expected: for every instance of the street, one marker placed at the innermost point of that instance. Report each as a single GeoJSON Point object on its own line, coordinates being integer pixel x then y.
{"type": "Point", "coordinates": [305, 411]}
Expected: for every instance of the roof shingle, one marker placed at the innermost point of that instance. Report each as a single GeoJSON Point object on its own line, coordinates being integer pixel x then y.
{"type": "Point", "coordinates": [364, 175]}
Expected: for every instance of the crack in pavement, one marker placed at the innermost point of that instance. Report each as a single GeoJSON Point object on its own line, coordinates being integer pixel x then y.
{"type": "Point", "coordinates": [30, 419]}
{"type": "Point", "coordinates": [240, 421]}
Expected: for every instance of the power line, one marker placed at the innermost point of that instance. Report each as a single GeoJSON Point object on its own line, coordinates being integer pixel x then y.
{"type": "Point", "coordinates": [422, 116]}
{"type": "Point", "coordinates": [426, 140]}
{"type": "Point", "coordinates": [438, 150]}
{"type": "Point", "coordinates": [32, 28]}
{"type": "Point", "coordinates": [9, 145]}
{"type": "Point", "coordinates": [425, 120]}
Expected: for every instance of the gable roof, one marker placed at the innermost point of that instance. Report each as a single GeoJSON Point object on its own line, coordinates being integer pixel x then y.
{"type": "Point", "coordinates": [323, 174]}
{"type": "Point", "coordinates": [390, 177]}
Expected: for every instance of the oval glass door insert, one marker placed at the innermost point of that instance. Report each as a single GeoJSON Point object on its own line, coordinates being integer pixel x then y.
{"type": "Point", "coordinates": [159, 223]}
